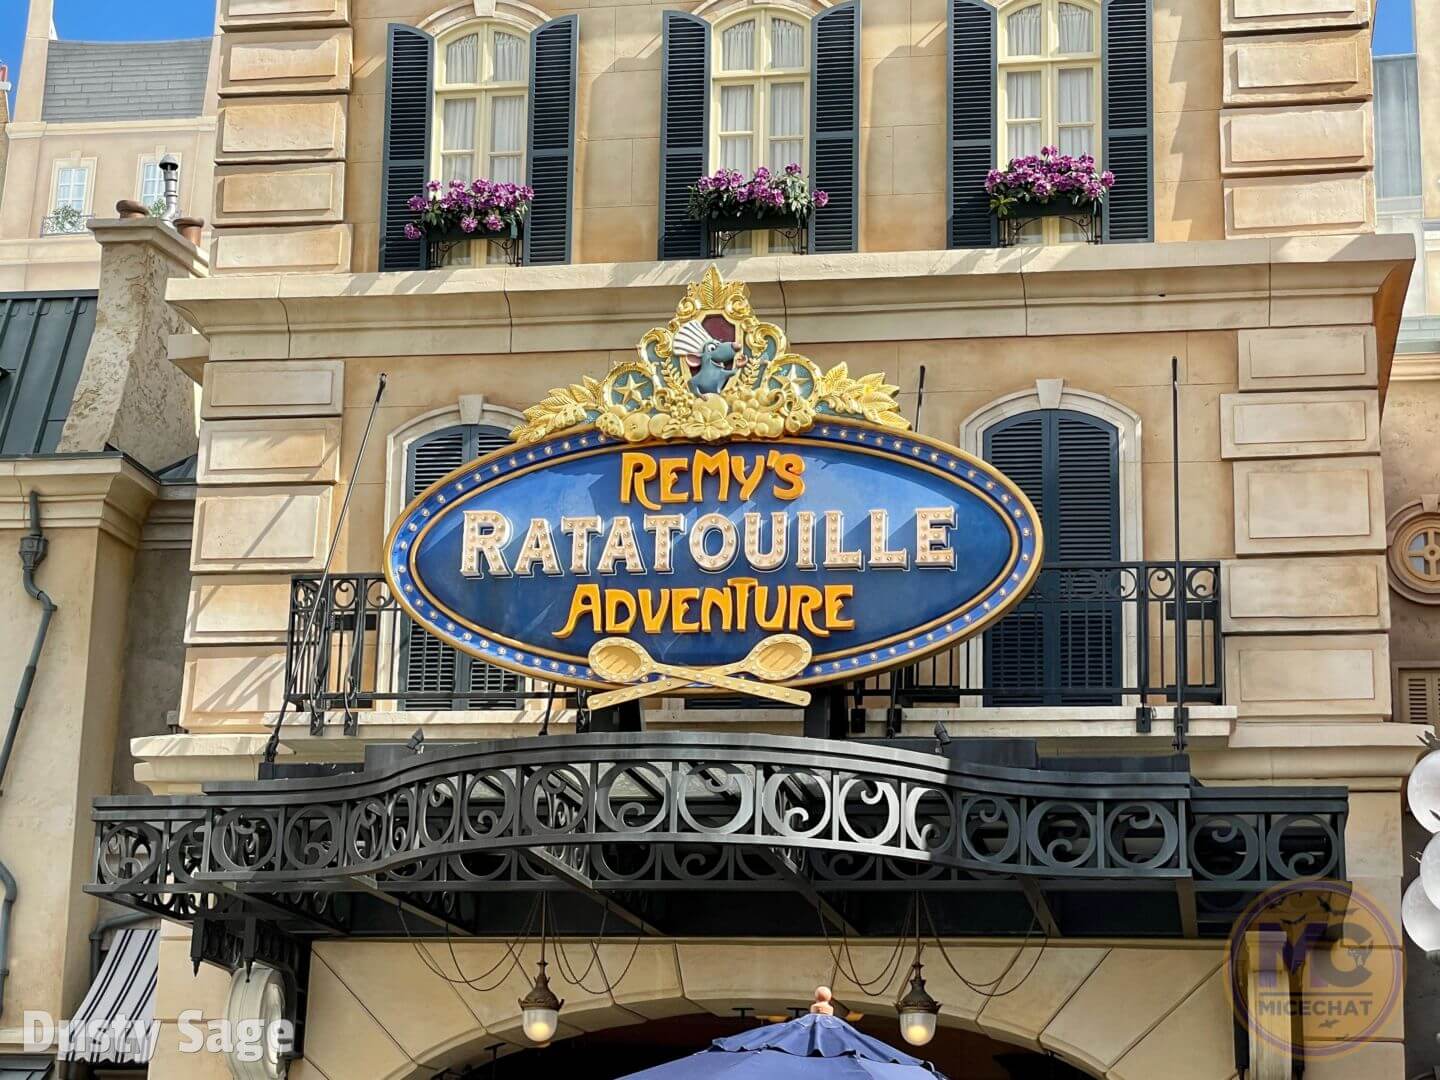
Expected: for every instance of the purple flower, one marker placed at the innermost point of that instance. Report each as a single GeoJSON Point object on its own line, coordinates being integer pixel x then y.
{"type": "Point", "coordinates": [822, 200]}
{"type": "Point", "coordinates": [793, 169]}
{"type": "Point", "coordinates": [417, 203]}
{"type": "Point", "coordinates": [469, 224]}
{"type": "Point", "coordinates": [412, 231]}
{"type": "Point", "coordinates": [493, 223]}
{"type": "Point", "coordinates": [1107, 178]}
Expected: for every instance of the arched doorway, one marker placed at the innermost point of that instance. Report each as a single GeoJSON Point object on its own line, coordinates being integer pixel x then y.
{"type": "Point", "coordinates": [620, 1051]}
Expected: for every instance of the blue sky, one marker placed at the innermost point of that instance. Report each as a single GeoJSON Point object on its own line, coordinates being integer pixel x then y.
{"type": "Point", "coordinates": [1394, 29]}
{"type": "Point", "coordinates": [106, 20]}
{"type": "Point", "coordinates": [110, 20]}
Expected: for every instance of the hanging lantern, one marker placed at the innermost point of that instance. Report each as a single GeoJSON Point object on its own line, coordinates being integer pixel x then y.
{"type": "Point", "coordinates": [540, 1010]}
{"type": "Point", "coordinates": [918, 1010]}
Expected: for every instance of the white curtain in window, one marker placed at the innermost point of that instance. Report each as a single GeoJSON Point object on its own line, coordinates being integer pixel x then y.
{"type": "Point", "coordinates": [737, 47]}
{"type": "Point", "coordinates": [787, 123]}
{"type": "Point", "coordinates": [737, 116]}
{"type": "Point", "coordinates": [509, 58]}
{"type": "Point", "coordinates": [458, 123]}
{"type": "Point", "coordinates": [507, 124]}
{"type": "Point", "coordinates": [507, 137]}
{"type": "Point", "coordinates": [462, 60]}
{"type": "Point", "coordinates": [1076, 111]}
{"type": "Point", "coordinates": [457, 167]}
{"type": "Point", "coordinates": [787, 44]}
{"type": "Point", "coordinates": [1077, 29]}
{"type": "Point", "coordinates": [1022, 98]}
{"type": "Point", "coordinates": [1023, 30]}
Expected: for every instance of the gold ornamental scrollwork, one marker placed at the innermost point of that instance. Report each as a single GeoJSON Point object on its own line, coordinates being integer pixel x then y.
{"type": "Point", "coordinates": [715, 372]}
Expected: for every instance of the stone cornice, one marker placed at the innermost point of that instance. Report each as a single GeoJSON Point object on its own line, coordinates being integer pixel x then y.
{"type": "Point", "coordinates": [78, 491]}
{"type": "Point", "coordinates": [868, 296]}
{"type": "Point", "coordinates": [152, 232]}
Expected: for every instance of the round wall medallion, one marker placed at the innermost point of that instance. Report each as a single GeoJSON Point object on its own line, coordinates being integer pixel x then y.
{"type": "Point", "coordinates": [1413, 535]}
{"type": "Point", "coordinates": [261, 1027]}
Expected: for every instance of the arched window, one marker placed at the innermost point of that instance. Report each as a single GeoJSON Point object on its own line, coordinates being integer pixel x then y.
{"type": "Point", "coordinates": [1049, 91]}
{"type": "Point", "coordinates": [482, 73]}
{"type": "Point", "coordinates": [433, 675]}
{"type": "Point", "coordinates": [760, 100]}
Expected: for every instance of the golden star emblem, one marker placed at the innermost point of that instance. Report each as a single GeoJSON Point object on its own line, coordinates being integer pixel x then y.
{"type": "Point", "coordinates": [790, 379]}
{"type": "Point", "coordinates": [630, 389]}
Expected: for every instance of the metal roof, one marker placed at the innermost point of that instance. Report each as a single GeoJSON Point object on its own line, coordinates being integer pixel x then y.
{"type": "Point", "coordinates": [43, 341]}
{"type": "Point", "coordinates": [126, 80]}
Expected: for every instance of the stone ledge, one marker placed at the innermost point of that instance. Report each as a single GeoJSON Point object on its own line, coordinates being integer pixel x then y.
{"type": "Point", "coordinates": [160, 235]}
{"type": "Point", "coordinates": [1234, 284]}
{"type": "Point", "coordinates": [78, 491]}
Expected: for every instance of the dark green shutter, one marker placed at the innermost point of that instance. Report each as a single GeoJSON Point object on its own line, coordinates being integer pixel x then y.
{"type": "Point", "coordinates": [835, 126]}
{"type": "Point", "coordinates": [409, 86]}
{"type": "Point", "coordinates": [684, 131]}
{"type": "Point", "coordinates": [1066, 636]}
{"type": "Point", "coordinates": [971, 96]}
{"type": "Point", "coordinates": [1015, 648]}
{"type": "Point", "coordinates": [1129, 210]}
{"type": "Point", "coordinates": [552, 140]}
{"type": "Point", "coordinates": [433, 674]}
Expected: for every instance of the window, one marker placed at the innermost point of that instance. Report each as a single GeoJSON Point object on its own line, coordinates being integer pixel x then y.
{"type": "Point", "coordinates": [761, 101]}
{"type": "Point", "coordinates": [70, 199]}
{"type": "Point", "coordinates": [1414, 549]}
{"type": "Point", "coordinates": [481, 88]}
{"type": "Point", "coordinates": [72, 188]}
{"type": "Point", "coordinates": [1029, 73]}
{"type": "Point", "coordinates": [1049, 89]}
{"type": "Point", "coordinates": [152, 183]}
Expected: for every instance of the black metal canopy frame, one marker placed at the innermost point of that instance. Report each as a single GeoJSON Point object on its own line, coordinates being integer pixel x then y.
{"type": "Point", "coordinates": [694, 834]}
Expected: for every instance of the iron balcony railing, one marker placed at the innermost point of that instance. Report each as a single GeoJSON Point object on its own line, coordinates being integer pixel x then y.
{"type": "Point", "coordinates": [63, 223]}
{"type": "Point", "coordinates": [1088, 634]}
{"type": "Point", "coordinates": [630, 820]}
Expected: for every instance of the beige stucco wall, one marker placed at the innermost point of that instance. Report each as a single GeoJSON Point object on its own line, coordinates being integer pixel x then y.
{"type": "Point", "coordinates": [1239, 122]}
{"type": "Point", "coordinates": [92, 512]}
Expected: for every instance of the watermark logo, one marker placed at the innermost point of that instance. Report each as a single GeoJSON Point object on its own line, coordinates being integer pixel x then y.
{"type": "Point", "coordinates": [1315, 968]}
{"type": "Point", "coordinates": [121, 1040]}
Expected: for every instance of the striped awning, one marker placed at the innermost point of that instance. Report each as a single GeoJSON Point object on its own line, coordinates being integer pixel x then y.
{"type": "Point", "coordinates": [113, 1023]}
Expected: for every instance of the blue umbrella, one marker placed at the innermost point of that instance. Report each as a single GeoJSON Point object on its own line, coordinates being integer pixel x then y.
{"type": "Point", "coordinates": [812, 1047]}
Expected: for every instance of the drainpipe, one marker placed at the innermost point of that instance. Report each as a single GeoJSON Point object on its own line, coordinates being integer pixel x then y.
{"type": "Point", "coordinates": [7, 881]}
{"type": "Point", "coordinates": [33, 547]}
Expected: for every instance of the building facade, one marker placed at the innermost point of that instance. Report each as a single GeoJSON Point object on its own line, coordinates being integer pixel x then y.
{"type": "Point", "coordinates": [1197, 701]}
{"type": "Point", "coordinates": [92, 122]}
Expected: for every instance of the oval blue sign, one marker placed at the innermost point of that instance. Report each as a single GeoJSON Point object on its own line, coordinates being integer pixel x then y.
{"type": "Point", "coordinates": [876, 547]}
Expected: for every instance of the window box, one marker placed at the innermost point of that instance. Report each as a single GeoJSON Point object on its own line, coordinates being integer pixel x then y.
{"type": "Point", "coordinates": [1086, 217]}
{"type": "Point", "coordinates": [790, 230]}
{"type": "Point", "coordinates": [509, 239]}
